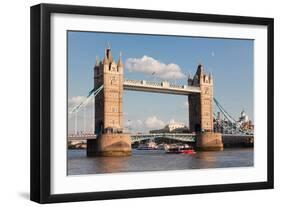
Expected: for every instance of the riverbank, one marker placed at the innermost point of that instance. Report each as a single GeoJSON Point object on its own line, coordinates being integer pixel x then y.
{"type": "Point", "coordinates": [234, 141]}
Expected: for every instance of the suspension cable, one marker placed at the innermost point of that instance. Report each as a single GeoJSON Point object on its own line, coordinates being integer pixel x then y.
{"type": "Point", "coordinates": [224, 111]}
{"type": "Point", "coordinates": [93, 93]}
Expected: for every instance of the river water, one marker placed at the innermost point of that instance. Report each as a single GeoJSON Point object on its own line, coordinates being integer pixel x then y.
{"type": "Point", "coordinates": [157, 160]}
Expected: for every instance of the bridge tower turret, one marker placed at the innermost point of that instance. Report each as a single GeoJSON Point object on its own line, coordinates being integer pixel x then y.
{"type": "Point", "coordinates": [201, 105]}
{"type": "Point", "coordinates": [201, 111]}
{"type": "Point", "coordinates": [111, 140]}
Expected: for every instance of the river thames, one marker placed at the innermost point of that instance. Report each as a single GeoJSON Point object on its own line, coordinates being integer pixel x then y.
{"type": "Point", "coordinates": [158, 160]}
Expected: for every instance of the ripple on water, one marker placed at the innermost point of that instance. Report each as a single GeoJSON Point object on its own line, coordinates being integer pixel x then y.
{"type": "Point", "coordinates": [157, 160]}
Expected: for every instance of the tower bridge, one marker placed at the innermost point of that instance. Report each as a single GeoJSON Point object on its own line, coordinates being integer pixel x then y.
{"type": "Point", "coordinates": [109, 85]}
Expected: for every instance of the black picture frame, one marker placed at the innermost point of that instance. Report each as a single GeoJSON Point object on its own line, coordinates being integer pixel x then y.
{"type": "Point", "coordinates": [41, 98]}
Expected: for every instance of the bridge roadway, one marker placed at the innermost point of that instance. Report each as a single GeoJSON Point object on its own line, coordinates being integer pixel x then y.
{"type": "Point", "coordinates": [187, 137]}
{"type": "Point", "coordinates": [139, 137]}
{"type": "Point", "coordinates": [159, 87]}
{"type": "Point", "coordinates": [175, 136]}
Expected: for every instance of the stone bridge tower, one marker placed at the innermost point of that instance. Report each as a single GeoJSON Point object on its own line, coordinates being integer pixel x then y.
{"type": "Point", "coordinates": [201, 111]}
{"type": "Point", "coordinates": [201, 105]}
{"type": "Point", "coordinates": [111, 141]}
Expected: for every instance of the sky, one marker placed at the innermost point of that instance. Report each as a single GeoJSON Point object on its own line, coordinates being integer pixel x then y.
{"type": "Point", "coordinates": [158, 58]}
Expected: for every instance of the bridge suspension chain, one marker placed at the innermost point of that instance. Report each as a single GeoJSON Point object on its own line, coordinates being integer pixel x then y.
{"type": "Point", "coordinates": [232, 126]}
{"type": "Point", "coordinates": [93, 93]}
{"type": "Point", "coordinates": [224, 112]}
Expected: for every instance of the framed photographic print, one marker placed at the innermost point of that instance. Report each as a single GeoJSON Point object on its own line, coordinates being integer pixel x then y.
{"type": "Point", "coordinates": [132, 103]}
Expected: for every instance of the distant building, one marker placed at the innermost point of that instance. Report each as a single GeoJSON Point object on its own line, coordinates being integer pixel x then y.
{"type": "Point", "coordinates": [172, 128]}
{"type": "Point", "coordinates": [244, 122]}
{"type": "Point", "coordinates": [244, 117]}
{"type": "Point", "coordinates": [227, 126]}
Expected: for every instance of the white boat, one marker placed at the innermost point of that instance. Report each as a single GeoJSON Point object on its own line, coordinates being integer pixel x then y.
{"type": "Point", "coordinates": [151, 145]}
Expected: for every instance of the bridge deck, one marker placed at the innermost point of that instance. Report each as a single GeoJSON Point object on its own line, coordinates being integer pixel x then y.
{"type": "Point", "coordinates": [77, 137]}
{"type": "Point", "coordinates": [157, 87]}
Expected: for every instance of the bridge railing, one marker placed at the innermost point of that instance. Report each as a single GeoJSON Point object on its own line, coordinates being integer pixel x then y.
{"type": "Point", "coordinates": [177, 86]}
{"type": "Point", "coordinates": [150, 83]}
{"type": "Point", "coordinates": [163, 84]}
{"type": "Point", "coordinates": [81, 135]}
{"type": "Point", "coordinates": [134, 82]}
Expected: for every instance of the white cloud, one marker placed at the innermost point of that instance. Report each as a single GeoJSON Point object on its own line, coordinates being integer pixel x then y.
{"type": "Point", "coordinates": [134, 123]}
{"type": "Point", "coordinates": [139, 122]}
{"type": "Point", "coordinates": [82, 126]}
{"type": "Point", "coordinates": [173, 121]}
{"type": "Point", "coordinates": [154, 123]}
{"type": "Point", "coordinates": [76, 100]}
{"type": "Point", "coordinates": [134, 126]}
{"type": "Point", "coordinates": [154, 67]}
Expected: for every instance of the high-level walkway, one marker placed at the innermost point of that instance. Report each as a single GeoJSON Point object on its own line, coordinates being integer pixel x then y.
{"type": "Point", "coordinates": [159, 87]}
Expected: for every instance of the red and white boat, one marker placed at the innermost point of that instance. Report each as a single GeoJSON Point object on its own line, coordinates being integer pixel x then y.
{"type": "Point", "coordinates": [179, 149]}
{"type": "Point", "coordinates": [188, 151]}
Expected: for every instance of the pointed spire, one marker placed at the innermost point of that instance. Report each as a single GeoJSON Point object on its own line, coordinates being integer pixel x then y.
{"type": "Point", "coordinates": [120, 63]}
{"type": "Point", "coordinates": [210, 76]}
{"type": "Point", "coordinates": [109, 54]}
{"type": "Point", "coordinates": [97, 61]}
{"type": "Point", "coordinates": [105, 60]}
{"type": "Point", "coordinates": [200, 70]}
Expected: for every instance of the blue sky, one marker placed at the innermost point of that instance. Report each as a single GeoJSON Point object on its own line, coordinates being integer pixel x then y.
{"type": "Point", "coordinates": [229, 60]}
